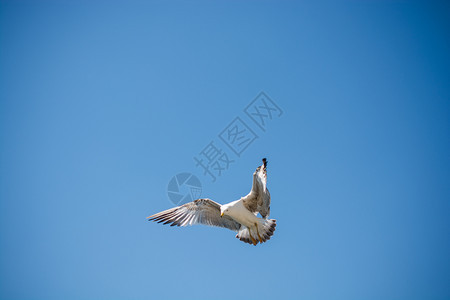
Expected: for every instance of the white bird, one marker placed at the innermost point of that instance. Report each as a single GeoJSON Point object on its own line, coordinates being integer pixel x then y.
{"type": "Point", "coordinates": [239, 216]}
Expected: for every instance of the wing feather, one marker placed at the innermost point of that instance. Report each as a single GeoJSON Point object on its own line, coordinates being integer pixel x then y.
{"type": "Point", "coordinates": [258, 200]}
{"type": "Point", "coordinates": [200, 211]}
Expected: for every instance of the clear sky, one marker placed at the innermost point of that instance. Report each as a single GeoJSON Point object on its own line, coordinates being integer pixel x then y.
{"type": "Point", "coordinates": [102, 103]}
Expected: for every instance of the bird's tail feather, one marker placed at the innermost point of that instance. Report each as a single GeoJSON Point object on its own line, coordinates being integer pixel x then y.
{"type": "Point", "coordinates": [259, 234]}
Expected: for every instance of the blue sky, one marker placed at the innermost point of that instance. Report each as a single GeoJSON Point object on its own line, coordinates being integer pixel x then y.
{"type": "Point", "coordinates": [102, 103]}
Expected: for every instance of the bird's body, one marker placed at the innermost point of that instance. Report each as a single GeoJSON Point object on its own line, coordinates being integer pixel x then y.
{"type": "Point", "coordinates": [239, 215]}
{"type": "Point", "coordinates": [238, 212]}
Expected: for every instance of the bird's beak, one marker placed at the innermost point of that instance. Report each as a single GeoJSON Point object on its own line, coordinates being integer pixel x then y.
{"type": "Point", "coordinates": [221, 214]}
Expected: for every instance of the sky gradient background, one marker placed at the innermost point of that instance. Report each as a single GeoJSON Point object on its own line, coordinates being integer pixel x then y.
{"type": "Point", "coordinates": [102, 103]}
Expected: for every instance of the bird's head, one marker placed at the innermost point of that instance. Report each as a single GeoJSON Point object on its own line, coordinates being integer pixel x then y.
{"type": "Point", "coordinates": [223, 210]}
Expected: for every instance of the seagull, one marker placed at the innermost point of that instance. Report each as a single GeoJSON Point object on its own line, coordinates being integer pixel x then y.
{"type": "Point", "coordinates": [239, 216]}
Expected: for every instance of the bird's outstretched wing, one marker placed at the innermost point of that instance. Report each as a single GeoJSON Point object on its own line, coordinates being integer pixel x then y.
{"type": "Point", "coordinates": [258, 200]}
{"type": "Point", "coordinates": [200, 211]}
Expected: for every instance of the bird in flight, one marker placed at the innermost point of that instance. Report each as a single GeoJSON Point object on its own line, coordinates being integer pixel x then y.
{"type": "Point", "coordinates": [239, 216]}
